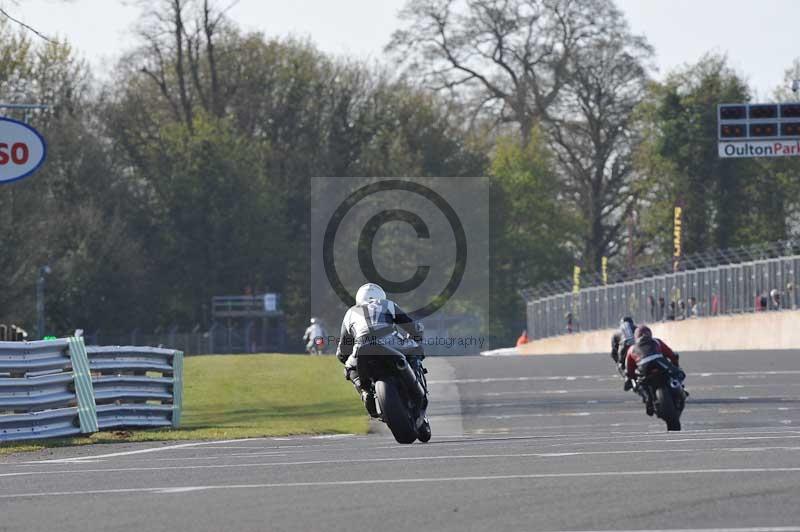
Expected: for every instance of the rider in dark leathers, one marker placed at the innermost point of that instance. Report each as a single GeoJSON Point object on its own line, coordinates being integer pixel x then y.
{"type": "Point", "coordinates": [645, 350]}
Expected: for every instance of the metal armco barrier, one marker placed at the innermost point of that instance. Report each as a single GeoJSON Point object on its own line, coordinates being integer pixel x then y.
{"type": "Point", "coordinates": [57, 388]}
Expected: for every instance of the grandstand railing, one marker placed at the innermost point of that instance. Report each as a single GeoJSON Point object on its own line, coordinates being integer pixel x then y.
{"type": "Point", "coordinates": [753, 286]}
{"type": "Point", "coordinates": [694, 261]}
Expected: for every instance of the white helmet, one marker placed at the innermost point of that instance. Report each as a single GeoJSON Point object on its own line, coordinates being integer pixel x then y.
{"type": "Point", "coordinates": [369, 291]}
{"type": "Point", "coordinates": [313, 321]}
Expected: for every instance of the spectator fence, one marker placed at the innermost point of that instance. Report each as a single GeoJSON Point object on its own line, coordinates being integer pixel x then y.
{"type": "Point", "coordinates": [754, 286]}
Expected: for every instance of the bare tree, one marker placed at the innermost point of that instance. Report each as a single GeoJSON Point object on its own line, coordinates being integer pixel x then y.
{"type": "Point", "coordinates": [594, 137]}
{"type": "Point", "coordinates": [180, 55]}
{"type": "Point", "coordinates": [27, 27]}
{"type": "Point", "coordinates": [511, 57]}
{"type": "Point", "coordinates": [572, 67]}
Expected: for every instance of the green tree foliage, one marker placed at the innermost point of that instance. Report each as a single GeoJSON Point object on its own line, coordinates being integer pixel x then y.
{"type": "Point", "coordinates": [531, 229]}
{"type": "Point", "coordinates": [68, 216]}
{"type": "Point", "coordinates": [726, 202]}
{"type": "Point", "coordinates": [221, 190]}
{"type": "Point", "coordinates": [781, 177]}
{"type": "Point", "coordinates": [187, 175]}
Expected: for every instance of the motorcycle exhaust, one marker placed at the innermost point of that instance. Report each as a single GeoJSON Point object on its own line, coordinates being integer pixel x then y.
{"type": "Point", "coordinates": [409, 378]}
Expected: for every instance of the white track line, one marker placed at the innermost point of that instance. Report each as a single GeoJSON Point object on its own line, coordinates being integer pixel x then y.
{"type": "Point", "coordinates": [460, 443]}
{"type": "Point", "coordinates": [395, 459]}
{"type": "Point", "coordinates": [429, 480]}
{"type": "Point", "coordinates": [678, 440]}
{"type": "Point", "coordinates": [138, 451]}
{"type": "Point", "coordinates": [699, 388]}
{"type": "Point", "coordinates": [535, 436]}
{"type": "Point", "coordinates": [606, 377]}
{"type": "Point", "coordinates": [163, 448]}
{"type": "Point", "coordinates": [750, 529]}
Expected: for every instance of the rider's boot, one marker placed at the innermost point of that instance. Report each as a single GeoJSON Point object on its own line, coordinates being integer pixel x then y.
{"type": "Point", "coordinates": [369, 403]}
{"type": "Point", "coordinates": [367, 397]}
{"type": "Point", "coordinates": [424, 432]}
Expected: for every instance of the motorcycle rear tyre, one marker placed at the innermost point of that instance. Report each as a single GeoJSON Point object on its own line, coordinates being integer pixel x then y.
{"type": "Point", "coordinates": [667, 410]}
{"type": "Point", "coordinates": [395, 412]}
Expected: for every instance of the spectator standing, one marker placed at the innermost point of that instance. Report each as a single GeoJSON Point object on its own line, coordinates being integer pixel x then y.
{"type": "Point", "coordinates": [694, 307]}
{"type": "Point", "coordinates": [761, 302]}
{"type": "Point", "coordinates": [775, 299]}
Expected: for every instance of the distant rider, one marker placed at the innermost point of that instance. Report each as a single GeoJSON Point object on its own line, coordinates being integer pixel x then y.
{"type": "Point", "coordinates": [370, 322]}
{"type": "Point", "coordinates": [644, 351]}
{"type": "Point", "coordinates": [622, 338]}
{"type": "Point", "coordinates": [314, 334]}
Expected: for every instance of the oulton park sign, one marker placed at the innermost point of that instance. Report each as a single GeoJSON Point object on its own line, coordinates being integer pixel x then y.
{"type": "Point", "coordinates": [759, 130]}
{"type": "Point", "coordinates": [760, 148]}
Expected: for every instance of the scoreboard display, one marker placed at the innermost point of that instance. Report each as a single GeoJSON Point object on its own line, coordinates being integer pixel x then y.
{"type": "Point", "coordinates": [759, 130]}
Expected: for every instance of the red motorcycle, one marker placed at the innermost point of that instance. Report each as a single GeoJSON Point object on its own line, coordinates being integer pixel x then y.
{"type": "Point", "coordinates": [660, 385]}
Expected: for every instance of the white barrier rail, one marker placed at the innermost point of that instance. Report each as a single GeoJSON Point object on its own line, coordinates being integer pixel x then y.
{"type": "Point", "coordinates": [57, 388]}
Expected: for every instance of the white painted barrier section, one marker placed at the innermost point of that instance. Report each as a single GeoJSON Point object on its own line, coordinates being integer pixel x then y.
{"type": "Point", "coordinates": [503, 352]}
{"type": "Point", "coordinates": [760, 330]}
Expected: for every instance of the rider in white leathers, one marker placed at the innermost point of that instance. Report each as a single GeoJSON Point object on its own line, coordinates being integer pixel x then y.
{"type": "Point", "coordinates": [370, 322]}
{"type": "Point", "coordinates": [313, 331]}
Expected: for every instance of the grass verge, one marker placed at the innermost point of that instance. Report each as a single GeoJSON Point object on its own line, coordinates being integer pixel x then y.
{"type": "Point", "coordinates": [246, 396]}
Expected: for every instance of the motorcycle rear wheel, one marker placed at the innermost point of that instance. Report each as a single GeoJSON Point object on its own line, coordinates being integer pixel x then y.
{"type": "Point", "coordinates": [395, 412]}
{"type": "Point", "coordinates": [666, 409]}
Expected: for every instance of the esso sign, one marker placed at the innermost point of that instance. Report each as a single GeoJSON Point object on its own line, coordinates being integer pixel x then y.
{"type": "Point", "coordinates": [22, 150]}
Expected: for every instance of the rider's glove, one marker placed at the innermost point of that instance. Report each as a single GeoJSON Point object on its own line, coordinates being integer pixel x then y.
{"type": "Point", "coordinates": [628, 385]}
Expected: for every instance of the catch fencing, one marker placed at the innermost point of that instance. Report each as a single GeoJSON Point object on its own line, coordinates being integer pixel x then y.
{"type": "Point", "coordinates": [218, 339]}
{"type": "Point", "coordinates": [58, 388]}
{"type": "Point", "coordinates": [755, 286]}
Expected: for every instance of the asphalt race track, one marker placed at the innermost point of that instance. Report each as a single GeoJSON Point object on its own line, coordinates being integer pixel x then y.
{"type": "Point", "coordinates": [520, 443]}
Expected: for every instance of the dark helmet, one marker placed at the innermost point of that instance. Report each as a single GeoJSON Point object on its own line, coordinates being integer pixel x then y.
{"type": "Point", "coordinates": [627, 328]}
{"type": "Point", "coordinates": [643, 332]}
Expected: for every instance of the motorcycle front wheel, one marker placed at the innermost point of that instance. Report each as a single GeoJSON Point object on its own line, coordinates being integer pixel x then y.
{"type": "Point", "coordinates": [395, 412]}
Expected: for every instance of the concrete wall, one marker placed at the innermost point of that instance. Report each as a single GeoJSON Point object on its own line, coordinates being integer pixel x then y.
{"type": "Point", "coordinates": [762, 330]}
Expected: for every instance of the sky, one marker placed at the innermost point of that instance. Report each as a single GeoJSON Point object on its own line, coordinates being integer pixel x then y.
{"type": "Point", "coordinates": [759, 37]}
